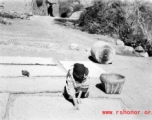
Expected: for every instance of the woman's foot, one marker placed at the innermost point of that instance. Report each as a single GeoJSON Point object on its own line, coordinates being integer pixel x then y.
{"type": "Point", "coordinates": [86, 95]}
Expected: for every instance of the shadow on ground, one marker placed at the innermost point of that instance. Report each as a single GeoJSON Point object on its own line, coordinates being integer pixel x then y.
{"type": "Point", "coordinates": [62, 21]}
{"type": "Point", "coordinates": [92, 59]}
{"type": "Point", "coordinates": [101, 87]}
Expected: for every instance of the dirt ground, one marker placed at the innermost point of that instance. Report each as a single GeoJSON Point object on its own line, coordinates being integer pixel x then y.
{"type": "Point", "coordinates": [42, 37]}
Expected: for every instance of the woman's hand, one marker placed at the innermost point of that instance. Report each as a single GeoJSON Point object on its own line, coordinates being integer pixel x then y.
{"type": "Point", "coordinates": [78, 89]}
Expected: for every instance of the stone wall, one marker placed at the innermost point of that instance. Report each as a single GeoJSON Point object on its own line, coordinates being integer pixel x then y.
{"type": "Point", "coordinates": [29, 6]}
{"type": "Point", "coordinates": [55, 7]}
{"type": "Point", "coordinates": [39, 7]}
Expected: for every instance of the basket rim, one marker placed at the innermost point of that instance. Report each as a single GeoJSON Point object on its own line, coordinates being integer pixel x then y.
{"type": "Point", "coordinates": [122, 80]}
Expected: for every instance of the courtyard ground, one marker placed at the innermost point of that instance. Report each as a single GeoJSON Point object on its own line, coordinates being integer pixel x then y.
{"type": "Point", "coordinates": [40, 98]}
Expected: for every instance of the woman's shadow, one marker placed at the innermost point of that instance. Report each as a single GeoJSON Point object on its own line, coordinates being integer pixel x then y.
{"type": "Point", "coordinates": [66, 96]}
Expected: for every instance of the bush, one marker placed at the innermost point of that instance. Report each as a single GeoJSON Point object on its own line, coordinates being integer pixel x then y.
{"type": "Point", "coordinates": [109, 17]}
{"type": "Point", "coordinates": [130, 21]}
{"type": "Point", "coordinates": [13, 15]}
{"type": "Point", "coordinates": [77, 7]}
{"type": "Point", "coordinates": [66, 8]}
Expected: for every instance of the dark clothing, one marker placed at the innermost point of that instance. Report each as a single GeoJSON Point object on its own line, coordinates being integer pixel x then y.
{"type": "Point", "coordinates": [50, 8]}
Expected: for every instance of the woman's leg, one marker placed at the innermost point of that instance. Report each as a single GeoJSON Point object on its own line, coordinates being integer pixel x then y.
{"type": "Point", "coordinates": [86, 95]}
{"type": "Point", "coordinates": [79, 97]}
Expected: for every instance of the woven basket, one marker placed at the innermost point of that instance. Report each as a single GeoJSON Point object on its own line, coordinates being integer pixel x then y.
{"type": "Point", "coordinates": [113, 82]}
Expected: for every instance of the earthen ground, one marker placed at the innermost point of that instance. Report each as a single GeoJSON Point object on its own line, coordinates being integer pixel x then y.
{"type": "Point", "coordinates": [41, 37]}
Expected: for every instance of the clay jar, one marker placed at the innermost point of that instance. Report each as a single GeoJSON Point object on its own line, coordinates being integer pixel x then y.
{"type": "Point", "coordinates": [103, 52]}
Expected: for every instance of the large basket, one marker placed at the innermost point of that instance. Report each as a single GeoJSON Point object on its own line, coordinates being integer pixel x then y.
{"type": "Point", "coordinates": [112, 82]}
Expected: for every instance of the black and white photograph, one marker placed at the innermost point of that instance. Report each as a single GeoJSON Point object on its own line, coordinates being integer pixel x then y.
{"type": "Point", "coordinates": [75, 59]}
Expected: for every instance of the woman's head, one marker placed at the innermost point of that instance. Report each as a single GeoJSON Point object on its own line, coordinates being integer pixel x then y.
{"type": "Point", "coordinates": [79, 70]}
